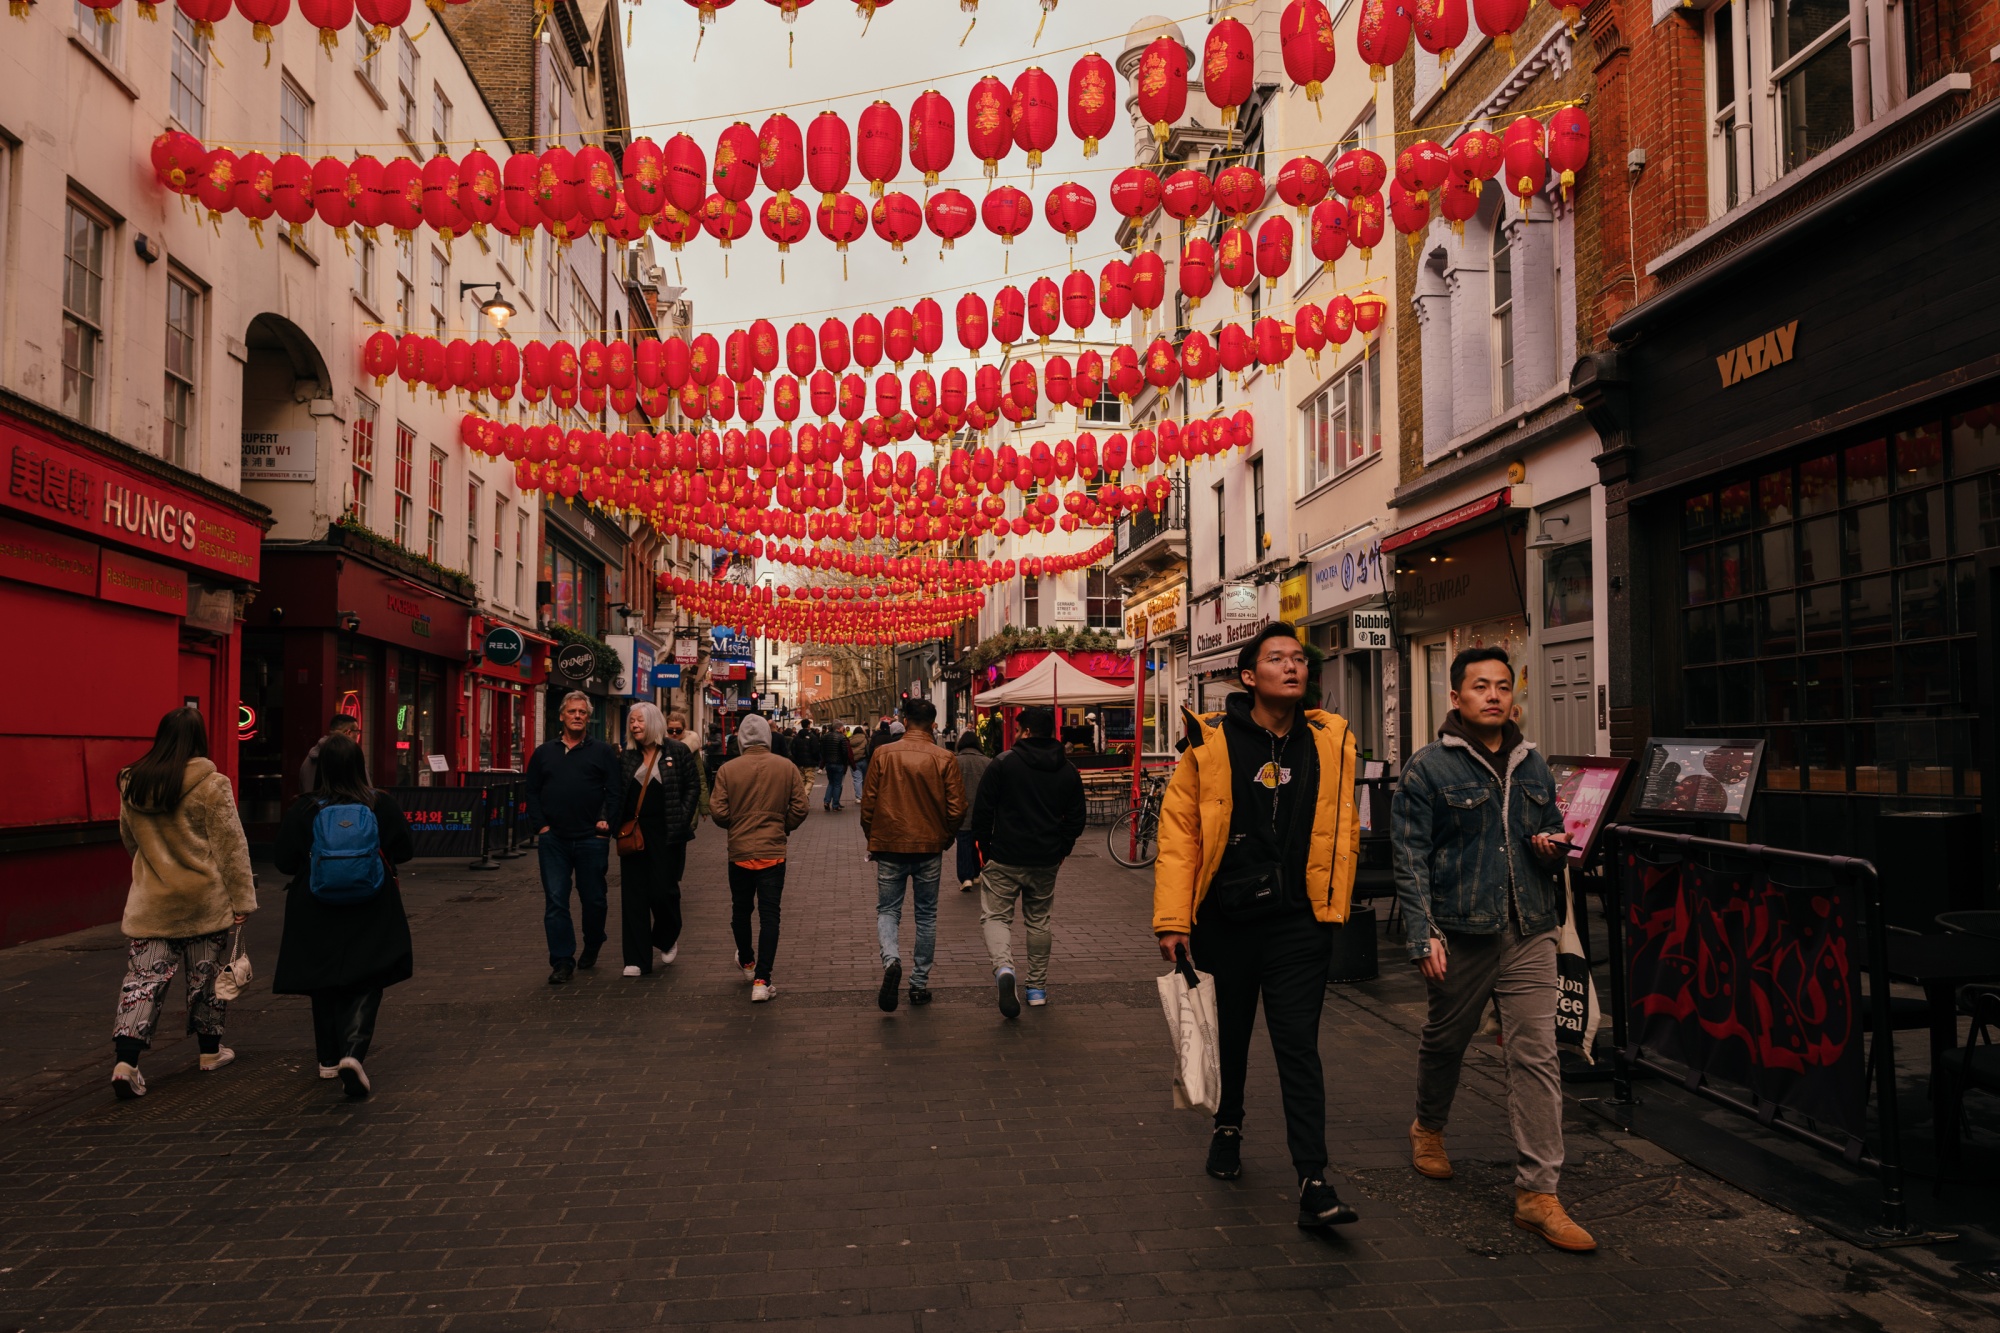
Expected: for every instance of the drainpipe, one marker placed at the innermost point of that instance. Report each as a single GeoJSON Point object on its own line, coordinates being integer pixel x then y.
{"type": "Point", "coordinates": [1858, 61]}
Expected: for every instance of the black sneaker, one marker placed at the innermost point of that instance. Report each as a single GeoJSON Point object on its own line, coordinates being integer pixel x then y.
{"type": "Point", "coordinates": [1225, 1152]}
{"type": "Point", "coordinates": [1320, 1207]}
{"type": "Point", "coordinates": [1010, 1003]}
{"type": "Point", "coordinates": [892, 982]}
{"type": "Point", "coordinates": [920, 995]}
{"type": "Point", "coordinates": [561, 973]}
{"type": "Point", "coordinates": [587, 959]}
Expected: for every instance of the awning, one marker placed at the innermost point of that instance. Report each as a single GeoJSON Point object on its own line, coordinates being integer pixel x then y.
{"type": "Point", "coordinates": [1053, 681]}
{"type": "Point", "coordinates": [1430, 527]}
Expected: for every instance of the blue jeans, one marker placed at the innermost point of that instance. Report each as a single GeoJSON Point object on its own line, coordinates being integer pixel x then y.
{"type": "Point", "coordinates": [892, 874]}
{"type": "Point", "coordinates": [860, 771]}
{"type": "Point", "coordinates": [587, 860]}
{"type": "Point", "coordinates": [835, 774]}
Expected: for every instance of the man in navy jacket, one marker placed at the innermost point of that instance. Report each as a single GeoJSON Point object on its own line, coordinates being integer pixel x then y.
{"type": "Point", "coordinates": [573, 787]}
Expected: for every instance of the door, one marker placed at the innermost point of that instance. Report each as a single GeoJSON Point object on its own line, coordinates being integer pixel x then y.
{"type": "Point", "coordinates": [1436, 656]}
{"type": "Point", "coordinates": [1569, 723]}
{"type": "Point", "coordinates": [198, 685]}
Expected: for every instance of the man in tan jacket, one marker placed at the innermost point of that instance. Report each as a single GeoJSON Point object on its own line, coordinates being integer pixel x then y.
{"type": "Point", "coordinates": [760, 798]}
{"type": "Point", "coordinates": [911, 804]}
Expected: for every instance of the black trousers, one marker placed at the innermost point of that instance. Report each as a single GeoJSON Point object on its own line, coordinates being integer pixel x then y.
{"type": "Point", "coordinates": [1285, 961]}
{"type": "Point", "coordinates": [764, 890]}
{"type": "Point", "coordinates": [649, 902]}
{"type": "Point", "coordinates": [344, 1023]}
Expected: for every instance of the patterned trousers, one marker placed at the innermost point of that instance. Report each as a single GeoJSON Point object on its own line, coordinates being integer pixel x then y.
{"type": "Point", "coordinates": [149, 971]}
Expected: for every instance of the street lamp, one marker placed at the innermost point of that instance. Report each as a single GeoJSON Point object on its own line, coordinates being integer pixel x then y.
{"type": "Point", "coordinates": [495, 307]}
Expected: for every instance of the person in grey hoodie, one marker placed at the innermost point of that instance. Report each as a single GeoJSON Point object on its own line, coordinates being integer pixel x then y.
{"type": "Point", "coordinates": [1026, 818]}
{"type": "Point", "coordinates": [972, 766]}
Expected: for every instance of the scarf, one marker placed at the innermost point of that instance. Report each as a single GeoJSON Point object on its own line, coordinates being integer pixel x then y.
{"type": "Point", "coordinates": [1510, 737]}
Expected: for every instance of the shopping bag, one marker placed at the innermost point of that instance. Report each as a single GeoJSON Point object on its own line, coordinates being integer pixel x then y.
{"type": "Point", "coordinates": [1188, 997]}
{"type": "Point", "coordinates": [1577, 1015]}
{"type": "Point", "coordinates": [234, 975]}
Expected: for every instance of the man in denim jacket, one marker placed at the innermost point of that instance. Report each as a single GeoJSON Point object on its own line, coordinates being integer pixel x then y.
{"type": "Point", "coordinates": [1477, 835]}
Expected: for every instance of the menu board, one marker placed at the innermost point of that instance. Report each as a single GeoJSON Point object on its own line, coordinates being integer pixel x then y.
{"type": "Point", "coordinates": [1588, 789]}
{"type": "Point", "coordinates": [1699, 778]}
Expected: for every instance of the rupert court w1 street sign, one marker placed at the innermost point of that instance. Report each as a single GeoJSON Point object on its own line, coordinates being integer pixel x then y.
{"type": "Point", "coordinates": [575, 662]}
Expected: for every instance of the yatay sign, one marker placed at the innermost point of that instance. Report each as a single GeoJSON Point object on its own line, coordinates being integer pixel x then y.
{"type": "Point", "coordinates": [1758, 355]}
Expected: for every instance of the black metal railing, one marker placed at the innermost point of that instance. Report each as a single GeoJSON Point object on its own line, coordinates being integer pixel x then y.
{"type": "Point", "coordinates": [1134, 532]}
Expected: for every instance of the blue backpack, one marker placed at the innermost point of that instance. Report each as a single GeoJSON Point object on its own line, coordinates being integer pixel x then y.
{"type": "Point", "coordinates": [347, 864]}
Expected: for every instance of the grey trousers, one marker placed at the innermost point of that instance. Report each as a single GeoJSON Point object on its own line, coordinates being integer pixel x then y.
{"type": "Point", "coordinates": [1035, 886]}
{"type": "Point", "coordinates": [1519, 971]}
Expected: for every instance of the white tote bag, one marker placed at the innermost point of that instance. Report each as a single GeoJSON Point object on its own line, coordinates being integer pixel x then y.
{"type": "Point", "coordinates": [1188, 997]}
{"type": "Point", "coordinates": [1577, 1014]}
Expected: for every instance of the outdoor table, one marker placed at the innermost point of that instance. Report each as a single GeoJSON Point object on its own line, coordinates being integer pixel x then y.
{"type": "Point", "coordinates": [1941, 964]}
{"type": "Point", "coordinates": [1983, 923]}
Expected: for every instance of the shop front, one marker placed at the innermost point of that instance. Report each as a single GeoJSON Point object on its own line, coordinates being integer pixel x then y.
{"type": "Point", "coordinates": [355, 627]}
{"type": "Point", "coordinates": [1092, 730]}
{"type": "Point", "coordinates": [1156, 621]}
{"type": "Point", "coordinates": [1347, 618]}
{"type": "Point", "coordinates": [1805, 483]}
{"type": "Point", "coordinates": [125, 577]}
{"type": "Point", "coordinates": [500, 687]}
{"type": "Point", "coordinates": [1221, 621]}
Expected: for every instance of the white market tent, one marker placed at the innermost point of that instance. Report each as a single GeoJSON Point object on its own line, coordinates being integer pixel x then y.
{"type": "Point", "coordinates": [1054, 682]}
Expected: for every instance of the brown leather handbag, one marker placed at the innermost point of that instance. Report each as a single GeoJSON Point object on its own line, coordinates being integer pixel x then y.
{"type": "Point", "coordinates": [631, 838]}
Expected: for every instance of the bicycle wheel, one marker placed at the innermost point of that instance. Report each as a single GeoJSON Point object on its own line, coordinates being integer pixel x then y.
{"type": "Point", "coordinates": [1120, 839]}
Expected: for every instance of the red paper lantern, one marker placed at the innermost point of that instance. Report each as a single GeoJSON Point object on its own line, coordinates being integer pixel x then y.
{"type": "Point", "coordinates": [1079, 300]}
{"type": "Point", "coordinates": [1305, 37]}
{"type": "Point", "coordinates": [1365, 220]}
{"type": "Point", "coordinates": [1010, 315]}
{"type": "Point", "coordinates": [1198, 359]}
{"type": "Point", "coordinates": [1383, 34]}
{"type": "Point", "coordinates": [1476, 157]}
{"type": "Point", "coordinates": [989, 123]}
{"type": "Point", "coordinates": [1568, 144]}
{"type": "Point", "coordinates": [291, 189]}
{"type": "Point", "coordinates": [1421, 168]}
{"type": "Point", "coordinates": [1303, 182]}
{"type": "Point", "coordinates": [1197, 270]}
{"type": "Point", "coordinates": [1044, 309]}
{"type": "Point", "coordinates": [687, 174]}
{"type": "Point", "coordinates": [1162, 365]}
{"type": "Point", "coordinates": [928, 320]}
{"type": "Point", "coordinates": [402, 192]}
{"type": "Point", "coordinates": [842, 219]}
{"type": "Point", "coordinates": [644, 178]}
{"type": "Point", "coordinates": [801, 350]}
{"type": "Point", "coordinates": [1007, 212]}
{"type": "Point", "coordinates": [880, 145]}
{"type": "Point", "coordinates": [1409, 213]}
{"type": "Point", "coordinates": [1161, 83]}
{"type": "Point", "coordinates": [725, 219]}
{"type": "Point", "coordinates": [704, 359]}
{"type": "Point", "coordinates": [1456, 205]}
{"type": "Point", "coordinates": [364, 187]}
{"type": "Point", "coordinates": [479, 190]}
{"type": "Point", "coordinates": [1236, 259]}
{"type": "Point", "coordinates": [829, 158]}
{"type": "Point", "coordinates": [833, 345]}
{"type": "Point", "coordinates": [897, 218]}
{"type": "Point", "coordinates": [1228, 68]}
{"type": "Point", "coordinates": [556, 181]}
{"type": "Point", "coordinates": [1441, 27]}
{"type": "Point", "coordinates": [379, 356]}
{"type": "Point", "coordinates": [1526, 166]}
{"type": "Point", "coordinates": [735, 357]}
{"type": "Point", "coordinates": [867, 335]}
{"type": "Point", "coordinates": [1239, 191]}
{"type": "Point", "coordinates": [1093, 100]}
{"type": "Point", "coordinates": [1273, 343]}
{"type": "Point", "coordinates": [1500, 20]}
{"type": "Point", "coordinates": [215, 186]}
{"type": "Point", "coordinates": [676, 228]}
{"type": "Point", "coordinates": [1358, 171]}
{"type": "Point", "coordinates": [781, 160]}
{"type": "Point", "coordinates": [1274, 249]}
{"type": "Point", "coordinates": [331, 17]}
{"type": "Point", "coordinates": [1186, 195]}
{"type": "Point", "coordinates": [949, 215]}
{"type": "Point", "coordinates": [933, 134]}
{"type": "Point", "coordinates": [598, 189]}
{"type": "Point", "coordinates": [676, 362]}
{"type": "Point", "coordinates": [738, 159]}
{"type": "Point", "coordinates": [1070, 208]}
{"type": "Point", "coordinates": [971, 320]}
{"type": "Point", "coordinates": [1032, 113]}
{"type": "Point", "coordinates": [784, 220]}
{"type": "Point", "coordinates": [899, 335]}
{"type": "Point", "coordinates": [1114, 290]}
{"type": "Point", "coordinates": [823, 393]}
{"type": "Point", "coordinates": [1135, 192]}
{"type": "Point", "coordinates": [1368, 311]}
{"type": "Point", "coordinates": [440, 209]}
{"type": "Point", "coordinates": [178, 157]}
{"type": "Point", "coordinates": [1309, 332]}
{"type": "Point", "coordinates": [1149, 281]}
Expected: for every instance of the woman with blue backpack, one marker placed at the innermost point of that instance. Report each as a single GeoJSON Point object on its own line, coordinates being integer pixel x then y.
{"type": "Point", "coordinates": [346, 936]}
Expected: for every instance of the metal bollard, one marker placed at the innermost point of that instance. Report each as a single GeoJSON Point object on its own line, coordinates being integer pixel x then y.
{"type": "Point", "coordinates": [513, 823]}
{"type": "Point", "coordinates": [485, 818]}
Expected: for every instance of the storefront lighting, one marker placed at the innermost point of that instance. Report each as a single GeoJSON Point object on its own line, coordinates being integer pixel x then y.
{"type": "Point", "coordinates": [1544, 540]}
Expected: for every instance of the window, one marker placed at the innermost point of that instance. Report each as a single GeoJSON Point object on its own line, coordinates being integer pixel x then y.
{"type": "Point", "coordinates": [1103, 601]}
{"type": "Point", "coordinates": [588, 318]}
{"type": "Point", "coordinates": [367, 54]}
{"type": "Point", "coordinates": [1106, 409]}
{"type": "Point", "coordinates": [183, 331]}
{"type": "Point", "coordinates": [1503, 317]}
{"type": "Point", "coordinates": [96, 28]}
{"type": "Point", "coordinates": [521, 558]}
{"type": "Point", "coordinates": [1031, 601]}
{"type": "Point", "coordinates": [406, 504]}
{"type": "Point", "coordinates": [1728, 66]}
{"type": "Point", "coordinates": [1221, 533]}
{"type": "Point", "coordinates": [294, 118]}
{"type": "Point", "coordinates": [406, 282]}
{"type": "Point", "coordinates": [406, 85]}
{"type": "Point", "coordinates": [364, 270]}
{"type": "Point", "coordinates": [1780, 89]}
{"type": "Point", "coordinates": [473, 504]}
{"type": "Point", "coordinates": [552, 293]}
{"type": "Point", "coordinates": [434, 529]}
{"type": "Point", "coordinates": [440, 282]}
{"type": "Point", "coordinates": [1343, 423]}
{"type": "Point", "coordinates": [1257, 507]}
{"type": "Point", "coordinates": [187, 77]}
{"type": "Point", "coordinates": [440, 118]}
{"type": "Point", "coordinates": [83, 311]}
{"type": "Point", "coordinates": [1813, 74]}
{"type": "Point", "coordinates": [499, 544]}
{"type": "Point", "coordinates": [363, 449]}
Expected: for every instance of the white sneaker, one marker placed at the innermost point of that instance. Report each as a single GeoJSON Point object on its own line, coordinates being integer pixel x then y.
{"type": "Point", "coordinates": [353, 1076]}
{"type": "Point", "coordinates": [211, 1063]}
{"type": "Point", "coordinates": [631, 969]}
{"type": "Point", "coordinates": [761, 991]}
{"type": "Point", "coordinates": [329, 1071]}
{"type": "Point", "coordinates": [749, 972]}
{"type": "Point", "coordinates": [664, 958]}
{"type": "Point", "coordinates": [127, 1082]}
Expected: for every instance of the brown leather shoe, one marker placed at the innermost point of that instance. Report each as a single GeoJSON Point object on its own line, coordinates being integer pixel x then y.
{"type": "Point", "coordinates": [1427, 1152]}
{"type": "Point", "coordinates": [1543, 1214]}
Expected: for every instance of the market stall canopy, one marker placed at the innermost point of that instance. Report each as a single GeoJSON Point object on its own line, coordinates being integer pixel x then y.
{"type": "Point", "coordinates": [1054, 681]}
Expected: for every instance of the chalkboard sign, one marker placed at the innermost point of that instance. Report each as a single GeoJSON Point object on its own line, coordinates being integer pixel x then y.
{"type": "Point", "coordinates": [444, 821]}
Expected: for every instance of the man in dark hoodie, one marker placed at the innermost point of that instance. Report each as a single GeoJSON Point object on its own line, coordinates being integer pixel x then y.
{"type": "Point", "coordinates": [1027, 816]}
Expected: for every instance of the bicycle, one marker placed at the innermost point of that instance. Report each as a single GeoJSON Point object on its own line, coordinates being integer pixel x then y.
{"type": "Point", "coordinates": [1136, 853]}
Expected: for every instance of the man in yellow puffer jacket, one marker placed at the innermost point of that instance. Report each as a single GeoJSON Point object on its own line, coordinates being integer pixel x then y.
{"type": "Point", "coordinates": [1258, 836]}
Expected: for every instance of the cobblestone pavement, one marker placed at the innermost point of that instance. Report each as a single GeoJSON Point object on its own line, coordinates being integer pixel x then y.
{"type": "Point", "coordinates": [658, 1153]}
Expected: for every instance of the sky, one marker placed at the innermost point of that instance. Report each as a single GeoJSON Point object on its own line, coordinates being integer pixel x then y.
{"type": "Point", "coordinates": [740, 73]}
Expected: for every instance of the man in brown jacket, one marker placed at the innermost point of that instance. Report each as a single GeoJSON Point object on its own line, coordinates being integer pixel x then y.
{"type": "Point", "coordinates": [760, 799]}
{"type": "Point", "coordinates": [911, 804]}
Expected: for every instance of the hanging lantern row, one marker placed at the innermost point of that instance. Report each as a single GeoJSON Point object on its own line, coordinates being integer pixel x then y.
{"type": "Point", "coordinates": [331, 17]}
{"type": "Point", "coordinates": [1440, 27]}
{"type": "Point", "coordinates": [760, 612]}
{"type": "Point", "coordinates": [789, 10]}
{"type": "Point", "coordinates": [931, 574]}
